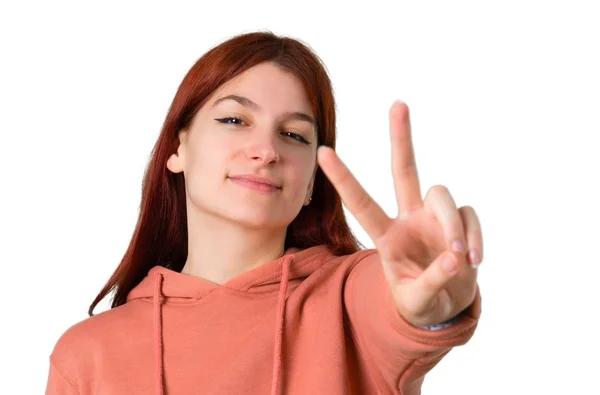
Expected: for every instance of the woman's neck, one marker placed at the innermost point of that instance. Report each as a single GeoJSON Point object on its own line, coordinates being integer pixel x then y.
{"type": "Point", "coordinates": [220, 249]}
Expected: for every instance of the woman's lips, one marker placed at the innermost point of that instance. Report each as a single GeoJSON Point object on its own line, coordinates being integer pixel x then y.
{"type": "Point", "coordinates": [256, 186]}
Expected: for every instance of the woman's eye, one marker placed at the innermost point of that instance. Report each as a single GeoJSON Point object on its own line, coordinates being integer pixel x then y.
{"type": "Point", "coordinates": [227, 120]}
{"type": "Point", "coordinates": [296, 137]}
{"type": "Point", "coordinates": [239, 121]}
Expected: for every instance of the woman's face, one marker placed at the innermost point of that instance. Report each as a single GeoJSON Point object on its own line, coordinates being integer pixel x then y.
{"type": "Point", "coordinates": [264, 130]}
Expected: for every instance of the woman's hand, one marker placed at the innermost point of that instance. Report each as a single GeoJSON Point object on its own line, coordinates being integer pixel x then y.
{"type": "Point", "coordinates": [430, 251]}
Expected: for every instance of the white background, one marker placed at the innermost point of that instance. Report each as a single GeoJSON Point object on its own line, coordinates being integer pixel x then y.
{"type": "Point", "coordinates": [505, 105]}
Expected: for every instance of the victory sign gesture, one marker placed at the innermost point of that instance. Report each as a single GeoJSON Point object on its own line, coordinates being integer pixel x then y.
{"type": "Point", "coordinates": [430, 252]}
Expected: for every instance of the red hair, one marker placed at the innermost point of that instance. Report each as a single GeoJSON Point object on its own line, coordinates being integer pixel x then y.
{"type": "Point", "coordinates": [160, 235]}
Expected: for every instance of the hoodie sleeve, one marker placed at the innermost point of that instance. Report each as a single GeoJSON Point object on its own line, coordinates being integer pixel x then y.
{"type": "Point", "coordinates": [67, 363]}
{"type": "Point", "coordinates": [57, 383]}
{"type": "Point", "coordinates": [397, 353]}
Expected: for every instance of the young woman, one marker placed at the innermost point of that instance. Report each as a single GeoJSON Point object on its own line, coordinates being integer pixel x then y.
{"type": "Point", "coordinates": [243, 277]}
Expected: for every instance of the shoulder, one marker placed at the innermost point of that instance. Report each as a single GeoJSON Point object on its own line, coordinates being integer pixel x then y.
{"type": "Point", "coordinates": [341, 267]}
{"type": "Point", "coordinates": [348, 262]}
{"type": "Point", "coordinates": [81, 341]}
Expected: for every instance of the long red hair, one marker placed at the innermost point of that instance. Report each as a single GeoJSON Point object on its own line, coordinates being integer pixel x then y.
{"type": "Point", "coordinates": [160, 235]}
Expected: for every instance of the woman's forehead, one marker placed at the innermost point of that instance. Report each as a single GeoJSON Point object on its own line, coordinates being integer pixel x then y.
{"type": "Point", "coordinates": [264, 87]}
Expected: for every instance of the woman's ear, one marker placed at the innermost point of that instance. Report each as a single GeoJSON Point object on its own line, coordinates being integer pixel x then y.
{"type": "Point", "coordinates": [311, 186]}
{"type": "Point", "coordinates": [176, 160]}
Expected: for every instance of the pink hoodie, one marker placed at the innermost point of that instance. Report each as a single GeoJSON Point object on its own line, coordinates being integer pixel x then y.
{"type": "Point", "coordinates": [307, 323]}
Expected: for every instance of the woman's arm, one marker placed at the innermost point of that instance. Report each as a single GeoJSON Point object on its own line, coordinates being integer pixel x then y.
{"type": "Point", "coordinates": [398, 353]}
{"type": "Point", "coordinates": [58, 384]}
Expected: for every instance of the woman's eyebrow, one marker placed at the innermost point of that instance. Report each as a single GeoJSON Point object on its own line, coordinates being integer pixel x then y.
{"type": "Point", "coordinates": [244, 101]}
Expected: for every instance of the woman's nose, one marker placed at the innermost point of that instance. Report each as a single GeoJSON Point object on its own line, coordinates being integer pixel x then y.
{"type": "Point", "coordinates": [263, 149]}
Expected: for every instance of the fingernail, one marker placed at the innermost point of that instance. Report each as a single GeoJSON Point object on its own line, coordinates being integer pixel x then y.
{"type": "Point", "coordinates": [449, 263]}
{"type": "Point", "coordinates": [474, 258]}
{"type": "Point", "coordinates": [457, 246]}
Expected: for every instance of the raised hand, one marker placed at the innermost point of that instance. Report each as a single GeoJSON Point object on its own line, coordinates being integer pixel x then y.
{"type": "Point", "coordinates": [431, 250]}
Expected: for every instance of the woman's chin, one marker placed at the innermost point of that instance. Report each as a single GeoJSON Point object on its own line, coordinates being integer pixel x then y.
{"type": "Point", "coordinates": [257, 218]}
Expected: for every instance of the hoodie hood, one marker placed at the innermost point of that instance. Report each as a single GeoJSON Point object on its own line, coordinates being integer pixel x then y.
{"type": "Point", "coordinates": [163, 285]}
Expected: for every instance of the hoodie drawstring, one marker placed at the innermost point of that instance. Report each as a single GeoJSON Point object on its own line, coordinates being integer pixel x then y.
{"type": "Point", "coordinates": [277, 351]}
{"type": "Point", "coordinates": [158, 345]}
{"type": "Point", "coordinates": [278, 347]}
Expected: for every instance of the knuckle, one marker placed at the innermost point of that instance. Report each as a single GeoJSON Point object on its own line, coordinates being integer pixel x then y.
{"type": "Point", "coordinates": [469, 210]}
{"type": "Point", "coordinates": [363, 202]}
{"type": "Point", "coordinates": [438, 191]}
{"type": "Point", "coordinates": [344, 177]}
{"type": "Point", "coordinates": [470, 218]}
{"type": "Point", "coordinates": [440, 188]}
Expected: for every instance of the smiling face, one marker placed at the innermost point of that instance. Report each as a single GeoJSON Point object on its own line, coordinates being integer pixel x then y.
{"type": "Point", "coordinates": [260, 123]}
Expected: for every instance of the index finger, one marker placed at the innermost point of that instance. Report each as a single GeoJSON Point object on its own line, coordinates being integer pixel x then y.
{"type": "Point", "coordinates": [404, 167]}
{"type": "Point", "coordinates": [368, 213]}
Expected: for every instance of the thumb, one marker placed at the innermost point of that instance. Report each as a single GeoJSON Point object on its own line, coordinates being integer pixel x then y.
{"type": "Point", "coordinates": [427, 286]}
